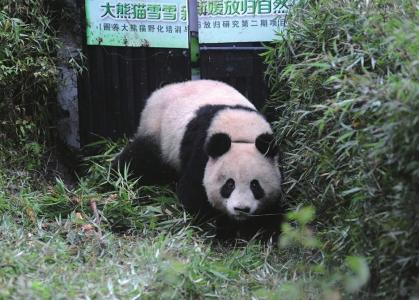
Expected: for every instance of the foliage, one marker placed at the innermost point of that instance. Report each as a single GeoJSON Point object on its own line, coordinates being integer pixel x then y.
{"type": "Point", "coordinates": [28, 71]}
{"type": "Point", "coordinates": [328, 283]}
{"type": "Point", "coordinates": [345, 89]}
{"type": "Point", "coordinates": [140, 243]}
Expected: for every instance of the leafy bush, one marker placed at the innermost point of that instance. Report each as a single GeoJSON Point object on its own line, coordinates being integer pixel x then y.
{"type": "Point", "coordinates": [28, 76]}
{"type": "Point", "coordinates": [345, 90]}
{"type": "Point", "coordinates": [325, 283]}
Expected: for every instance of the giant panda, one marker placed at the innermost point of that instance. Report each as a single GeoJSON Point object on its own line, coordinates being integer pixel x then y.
{"type": "Point", "coordinates": [219, 148]}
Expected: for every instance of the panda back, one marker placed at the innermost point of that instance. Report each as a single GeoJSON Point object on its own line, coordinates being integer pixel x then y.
{"type": "Point", "coordinates": [169, 110]}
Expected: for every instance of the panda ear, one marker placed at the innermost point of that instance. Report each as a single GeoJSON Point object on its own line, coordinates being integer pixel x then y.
{"type": "Point", "coordinates": [265, 143]}
{"type": "Point", "coordinates": [218, 144]}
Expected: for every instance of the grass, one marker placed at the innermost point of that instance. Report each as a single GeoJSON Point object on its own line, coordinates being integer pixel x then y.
{"type": "Point", "coordinates": [60, 260]}
{"type": "Point", "coordinates": [70, 258]}
{"type": "Point", "coordinates": [54, 246]}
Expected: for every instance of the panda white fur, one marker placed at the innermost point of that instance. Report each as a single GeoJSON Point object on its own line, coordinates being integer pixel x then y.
{"type": "Point", "coordinates": [220, 149]}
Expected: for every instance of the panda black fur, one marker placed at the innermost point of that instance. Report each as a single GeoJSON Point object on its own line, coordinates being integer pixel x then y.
{"type": "Point", "coordinates": [211, 139]}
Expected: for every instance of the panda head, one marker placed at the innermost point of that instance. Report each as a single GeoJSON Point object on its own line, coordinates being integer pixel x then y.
{"type": "Point", "coordinates": [242, 179]}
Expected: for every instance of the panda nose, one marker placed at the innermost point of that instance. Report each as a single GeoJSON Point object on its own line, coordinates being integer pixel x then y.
{"type": "Point", "coordinates": [245, 209]}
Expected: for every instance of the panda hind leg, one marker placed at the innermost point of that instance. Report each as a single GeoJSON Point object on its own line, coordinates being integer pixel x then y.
{"type": "Point", "coordinates": [142, 157]}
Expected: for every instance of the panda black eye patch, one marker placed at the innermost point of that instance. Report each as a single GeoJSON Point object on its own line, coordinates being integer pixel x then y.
{"type": "Point", "coordinates": [257, 190]}
{"type": "Point", "coordinates": [227, 188]}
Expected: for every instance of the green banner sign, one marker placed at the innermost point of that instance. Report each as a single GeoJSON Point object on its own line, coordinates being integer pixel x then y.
{"type": "Point", "coordinates": [136, 23]}
{"type": "Point", "coordinates": [235, 21]}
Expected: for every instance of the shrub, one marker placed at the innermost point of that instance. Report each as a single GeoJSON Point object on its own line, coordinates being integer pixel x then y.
{"type": "Point", "coordinates": [344, 83]}
{"type": "Point", "coordinates": [28, 75]}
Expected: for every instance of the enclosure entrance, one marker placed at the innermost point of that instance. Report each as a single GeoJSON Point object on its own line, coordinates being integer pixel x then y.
{"type": "Point", "coordinates": [133, 48]}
